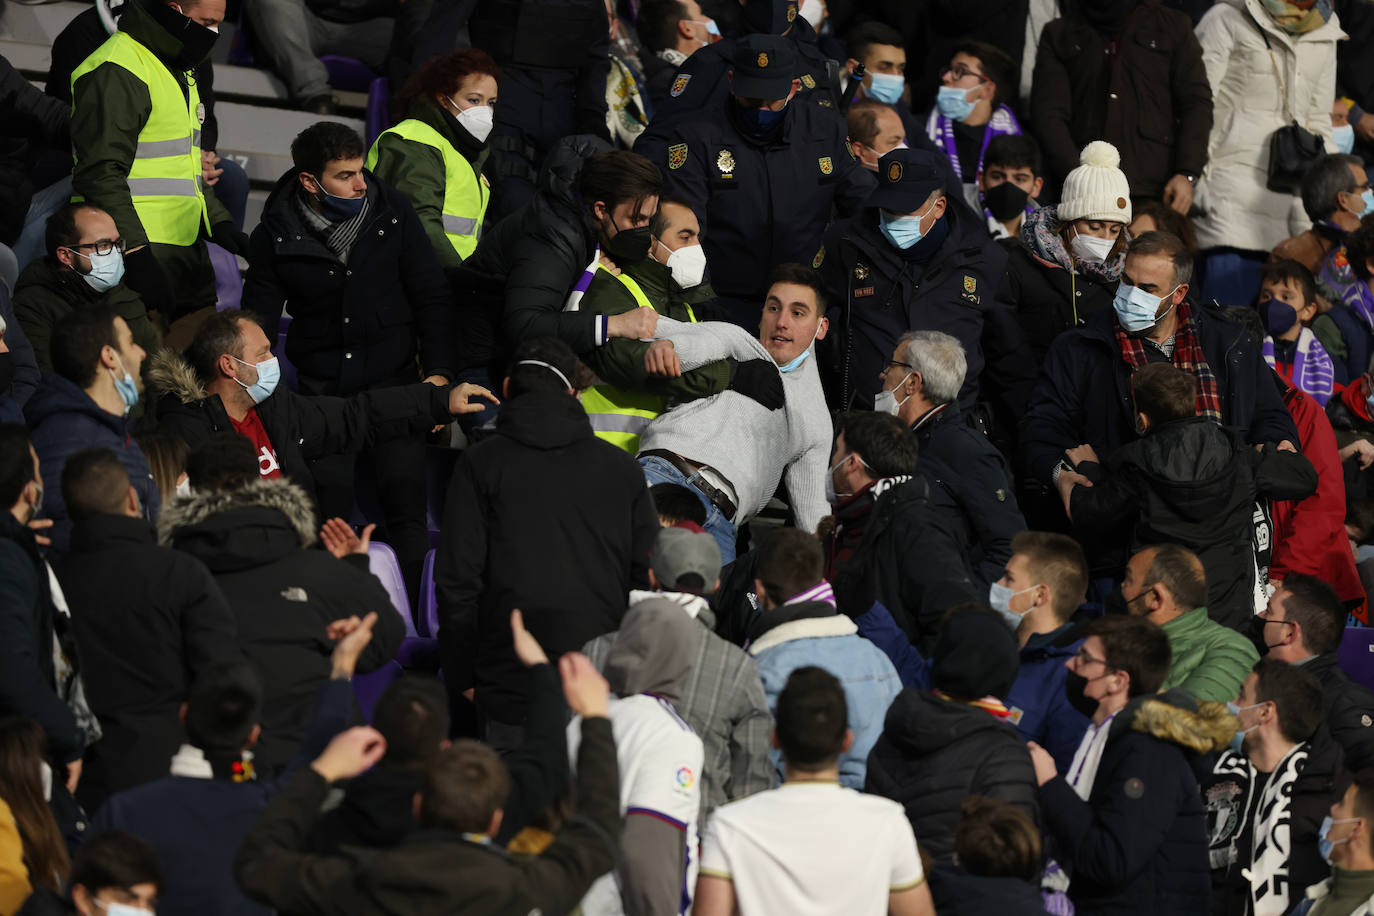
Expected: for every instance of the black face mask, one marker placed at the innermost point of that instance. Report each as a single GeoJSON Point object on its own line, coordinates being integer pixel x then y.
{"type": "Point", "coordinates": [629, 245]}
{"type": "Point", "coordinates": [1005, 200]}
{"type": "Point", "coordinates": [1255, 632]}
{"type": "Point", "coordinates": [196, 40]}
{"type": "Point", "coordinates": [1116, 603]}
{"type": "Point", "coordinates": [1074, 685]}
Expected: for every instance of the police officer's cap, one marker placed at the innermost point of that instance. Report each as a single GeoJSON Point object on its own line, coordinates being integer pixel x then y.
{"type": "Point", "coordinates": [765, 66]}
{"type": "Point", "coordinates": [771, 17]}
{"type": "Point", "coordinates": [905, 179]}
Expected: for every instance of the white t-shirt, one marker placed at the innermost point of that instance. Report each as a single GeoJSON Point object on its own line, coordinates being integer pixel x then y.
{"type": "Point", "coordinates": [660, 760]}
{"type": "Point", "coordinates": [812, 848]}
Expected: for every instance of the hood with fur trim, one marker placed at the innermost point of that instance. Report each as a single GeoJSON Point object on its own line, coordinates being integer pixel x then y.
{"type": "Point", "coordinates": [241, 527]}
{"type": "Point", "coordinates": [1200, 727]}
{"type": "Point", "coordinates": [170, 375]}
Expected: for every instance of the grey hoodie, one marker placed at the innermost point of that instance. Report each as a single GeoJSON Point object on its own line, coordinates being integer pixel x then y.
{"type": "Point", "coordinates": [653, 651]}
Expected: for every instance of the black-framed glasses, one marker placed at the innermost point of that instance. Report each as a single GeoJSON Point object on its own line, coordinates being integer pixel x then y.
{"type": "Point", "coordinates": [1084, 658]}
{"type": "Point", "coordinates": [104, 246]}
{"type": "Point", "coordinates": [959, 71]}
{"type": "Point", "coordinates": [1268, 620]}
{"type": "Point", "coordinates": [893, 363]}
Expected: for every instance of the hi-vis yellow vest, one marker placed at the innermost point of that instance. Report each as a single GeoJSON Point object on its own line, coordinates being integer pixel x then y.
{"type": "Point", "coordinates": [465, 192]}
{"type": "Point", "coordinates": [164, 179]}
{"type": "Point", "coordinates": [620, 416]}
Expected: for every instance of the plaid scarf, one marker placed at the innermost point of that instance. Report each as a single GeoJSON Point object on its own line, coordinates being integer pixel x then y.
{"type": "Point", "coordinates": [337, 237]}
{"type": "Point", "coordinates": [1187, 355]}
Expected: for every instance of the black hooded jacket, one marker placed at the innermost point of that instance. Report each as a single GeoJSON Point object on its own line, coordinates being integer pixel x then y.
{"type": "Point", "coordinates": [255, 541]}
{"type": "Point", "coordinates": [544, 517]}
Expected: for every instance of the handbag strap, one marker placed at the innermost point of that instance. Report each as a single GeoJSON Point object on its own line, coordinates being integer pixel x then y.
{"type": "Point", "coordinates": [1273, 62]}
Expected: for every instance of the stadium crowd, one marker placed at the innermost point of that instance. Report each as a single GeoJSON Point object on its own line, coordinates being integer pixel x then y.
{"type": "Point", "coordinates": [711, 456]}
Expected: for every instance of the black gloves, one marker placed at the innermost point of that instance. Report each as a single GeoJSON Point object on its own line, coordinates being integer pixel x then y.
{"type": "Point", "coordinates": [227, 236]}
{"type": "Point", "coordinates": [758, 379]}
{"type": "Point", "coordinates": [145, 276]}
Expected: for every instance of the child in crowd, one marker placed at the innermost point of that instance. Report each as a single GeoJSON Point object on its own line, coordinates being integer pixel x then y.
{"type": "Point", "coordinates": [1009, 185]}
{"type": "Point", "coordinates": [1288, 307]}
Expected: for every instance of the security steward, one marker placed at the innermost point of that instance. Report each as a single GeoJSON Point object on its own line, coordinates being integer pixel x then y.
{"type": "Point", "coordinates": [762, 172]}
{"type": "Point", "coordinates": [638, 380]}
{"type": "Point", "coordinates": [136, 120]}
{"type": "Point", "coordinates": [916, 260]}
{"type": "Point", "coordinates": [702, 82]}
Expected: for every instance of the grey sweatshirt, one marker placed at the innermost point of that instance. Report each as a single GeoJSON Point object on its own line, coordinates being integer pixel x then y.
{"type": "Point", "coordinates": [751, 446]}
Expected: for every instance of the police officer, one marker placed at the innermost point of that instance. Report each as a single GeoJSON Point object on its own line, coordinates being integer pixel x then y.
{"type": "Point", "coordinates": [136, 120]}
{"type": "Point", "coordinates": [916, 260]}
{"type": "Point", "coordinates": [762, 172]}
{"type": "Point", "coordinates": [702, 82]}
{"type": "Point", "coordinates": [554, 57]}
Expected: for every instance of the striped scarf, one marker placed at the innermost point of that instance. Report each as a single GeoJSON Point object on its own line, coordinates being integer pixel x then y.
{"type": "Point", "coordinates": [337, 237]}
{"type": "Point", "coordinates": [1265, 863]}
{"type": "Point", "coordinates": [1312, 370]}
{"type": "Point", "coordinates": [990, 705]}
{"type": "Point", "coordinates": [1187, 355]}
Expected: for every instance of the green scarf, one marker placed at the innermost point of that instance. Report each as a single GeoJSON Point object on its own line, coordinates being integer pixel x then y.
{"type": "Point", "coordinates": [1298, 18]}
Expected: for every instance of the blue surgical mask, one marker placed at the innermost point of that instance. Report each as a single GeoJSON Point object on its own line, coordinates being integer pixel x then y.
{"type": "Point", "coordinates": [1324, 842]}
{"type": "Point", "coordinates": [128, 390]}
{"type": "Point", "coordinates": [1136, 309]}
{"type": "Point", "coordinates": [1344, 135]}
{"type": "Point", "coordinates": [269, 373]}
{"type": "Point", "coordinates": [1367, 198]}
{"type": "Point", "coordinates": [887, 87]}
{"type": "Point", "coordinates": [338, 209]}
{"type": "Point", "coordinates": [999, 599]}
{"type": "Point", "coordinates": [106, 269]}
{"type": "Point", "coordinates": [796, 361]}
{"type": "Point", "coordinates": [903, 231]}
{"type": "Point", "coordinates": [1238, 739]}
{"type": "Point", "coordinates": [953, 104]}
{"type": "Point", "coordinates": [1279, 317]}
{"type": "Point", "coordinates": [760, 121]}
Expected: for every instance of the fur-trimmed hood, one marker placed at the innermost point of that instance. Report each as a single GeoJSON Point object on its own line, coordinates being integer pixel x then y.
{"type": "Point", "coordinates": [1200, 727]}
{"type": "Point", "coordinates": [241, 527]}
{"type": "Point", "coordinates": [170, 375]}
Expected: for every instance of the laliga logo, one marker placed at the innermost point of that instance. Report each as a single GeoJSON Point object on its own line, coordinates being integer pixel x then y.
{"type": "Point", "coordinates": [684, 777]}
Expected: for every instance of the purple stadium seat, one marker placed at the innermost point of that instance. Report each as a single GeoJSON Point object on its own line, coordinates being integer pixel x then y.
{"type": "Point", "coordinates": [381, 559]}
{"type": "Point", "coordinates": [228, 283]}
{"type": "Point", "coordinates": [368, 688]}
{"type": "Point", "coordinates": [429, 603]}
{"type": "Point", "coordinates": [348, 73]}
{"type": "Point", "coordinates": [288, 371]}
{"type": "Point", "coordinates": [1357, 655]}
{"type": "Point", "coordinates": [378, 102]}
{"type": "Point", "coordinates": [439, 464]}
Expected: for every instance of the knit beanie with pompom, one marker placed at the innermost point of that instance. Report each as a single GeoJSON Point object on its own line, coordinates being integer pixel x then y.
{"type": "Point", "coordinates": [1097, 189]}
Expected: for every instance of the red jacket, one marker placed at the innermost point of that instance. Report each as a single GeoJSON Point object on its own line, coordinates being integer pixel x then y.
{"type": "Point", "coordinates": [1309, 535]}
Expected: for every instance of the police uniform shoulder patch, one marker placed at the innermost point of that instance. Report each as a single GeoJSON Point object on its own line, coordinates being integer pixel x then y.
{"type": "Point", "coordinates": [970, 284]}
{"type": "Point", "coordinates": [791, 12]}
{"type": "Point", "coordinates": [808, 81]}
{"type": "Point", "coordinates": [826, 165]}
{"type": "Point", "coordinates": [680, 84]}
{"type": "Point", "coordinates": [819, 259]}
{"type": "Point", "coordinates": [677, 155]}
{"type": "Point", "coordinates": [849, 148]}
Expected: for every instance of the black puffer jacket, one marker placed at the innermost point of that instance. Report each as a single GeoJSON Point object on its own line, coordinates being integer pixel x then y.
{"type": "Point", "coordinates": [544, 517]}
{"type": "Point", "coordinates": [933, 753]}
{"type": "Point", "coordinates": [32, 123]}
{"type": "Point", "coordinates": [1139, 843]}
{"type": "Point", "coordinates": [1190, 482]}
{"type": "Point", "coordinates": [1042, 295]}
{"type": "Point", "coordinates": [255, 541]}
{"type": "Point", "coordinates": [301, 428]}
{"type": "Point", "coordinates": [516, 283]}
{"type": "Point", "coordinates": [359, 323]}
{"type": "Point", "coordinates": [1349, 710]}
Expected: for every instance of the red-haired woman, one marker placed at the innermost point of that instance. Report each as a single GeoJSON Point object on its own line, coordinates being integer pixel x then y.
{"type": "Point", "coordinates": [435, 156]}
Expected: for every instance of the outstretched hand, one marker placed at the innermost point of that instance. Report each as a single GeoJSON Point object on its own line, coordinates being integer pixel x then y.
{"type": "Point", "coordinates": [350, 753]}
{"type": "Point", "coordinates": [351, 637]}
{"type": "Point", "coordinates": [585, 689]}
{"type": "Point", "coordinates": [527, 648]}
{"type": "Point", "coordinates": [461, 398]}
{"type": "Point", "coordinates": [338, 538]}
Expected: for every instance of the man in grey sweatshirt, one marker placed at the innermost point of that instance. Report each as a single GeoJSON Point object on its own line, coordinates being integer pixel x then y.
{"type": "Point", "coordinates": [729, 448]}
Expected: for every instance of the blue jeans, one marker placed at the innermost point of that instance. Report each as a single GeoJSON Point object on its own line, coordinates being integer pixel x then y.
{"type": "Point", "coordinates": [46, 201]}
{"type": "Point", "coordinates": [478, 376]}
{"type": "Point", "coordinates": [232, 190]}
{"type": "Point", "coordinates": [1231, 276]}
{"type": "Point", "coordinates": [656, 470]}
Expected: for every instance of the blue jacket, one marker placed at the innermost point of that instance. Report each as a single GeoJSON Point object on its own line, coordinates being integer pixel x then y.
{"type": "Point", "coordinates": [812, 633]}
{"type": "Point", "coordinates": [196, 825]}
{"type": "Point", "coordinates": [65, 420]}
{"type": "Point", "coordinates": [1040, 710]}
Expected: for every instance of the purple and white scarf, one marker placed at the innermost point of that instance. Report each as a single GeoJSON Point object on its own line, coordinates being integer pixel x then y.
{"type": "Point", "coordinates": [1312, 371]}
{"type": "Point", "coordinates": [940, 130]}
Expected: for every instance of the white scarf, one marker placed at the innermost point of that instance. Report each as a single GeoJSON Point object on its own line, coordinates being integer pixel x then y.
{"type": "Point", "coordinates": [1083, 772]}
{"type": "Point", "coordinates": [1271, 837]}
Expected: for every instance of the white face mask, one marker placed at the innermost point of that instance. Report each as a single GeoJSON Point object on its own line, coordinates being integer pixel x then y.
{"type": "Point", "coordinates": [476, 120]}
{"type": "Point", "coordinates": [1090, 247]}
{"type": "Point", "coordinates": [885, 401]}
{"type": "Point", "coordinates": [688, 265]}
{"type": "Point", "coordinates": [184, 486]}
{"type": "Point", "coordinates": [813, 11]}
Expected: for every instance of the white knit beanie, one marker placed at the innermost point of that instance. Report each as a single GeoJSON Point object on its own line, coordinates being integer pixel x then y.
{"type": "Point", "coordinates": [1097, 189]}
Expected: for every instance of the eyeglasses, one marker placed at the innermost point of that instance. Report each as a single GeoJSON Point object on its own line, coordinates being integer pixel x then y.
{"type": "Point", "coordinates": [959, 71]}
{"type": "Point", "coordinates": [1083, 658]}
{"type": "Point", "coordinates": [896, 363]}
{"type": "Point", "coordinates": [104, 246]}
{"type": "Point", "coordinates": [1268, 620]}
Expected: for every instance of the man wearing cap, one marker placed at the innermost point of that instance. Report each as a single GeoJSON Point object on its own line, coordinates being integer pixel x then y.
{"type": "Point", "coordinates": [762, 172]}
{"type": "Point", "coordinates": [916, 260]}
{"type": "Point", "coordinates": [723, 697]}
{"type": "Point", "coordinates": [702, 81]}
